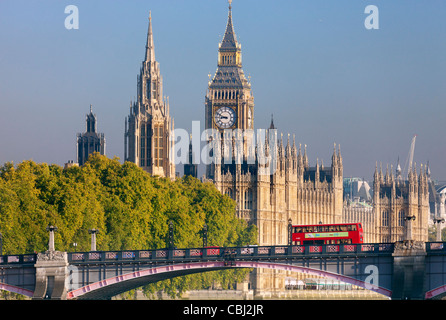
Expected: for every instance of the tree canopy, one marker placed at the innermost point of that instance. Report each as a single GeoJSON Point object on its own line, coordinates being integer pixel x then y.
{"type": "Point", "coordinates": [130, 207]}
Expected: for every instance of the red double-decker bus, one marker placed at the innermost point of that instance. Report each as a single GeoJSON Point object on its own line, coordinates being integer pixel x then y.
{"type": "Point", "coordinates": [342, 233]}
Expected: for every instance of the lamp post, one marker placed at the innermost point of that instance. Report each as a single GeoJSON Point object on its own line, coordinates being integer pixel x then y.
{"type": "Point", "coordinates": [438, 221]}
{"type": "Point", "coordinates": [51, 230]}
{"type": "Point", "coordinates": [205, 235]}
{"type": "Point", "coordinates": [93, 238]}
{"type": "Point", "coordinates": [290, 232]}
{"type": "Point", "coordinates": [409, 226]}
{"type": "Point", "coordinates": [170, 235]}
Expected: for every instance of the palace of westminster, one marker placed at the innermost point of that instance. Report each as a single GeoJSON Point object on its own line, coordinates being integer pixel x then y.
{"type": "Point", "coordinates": [398, 209]}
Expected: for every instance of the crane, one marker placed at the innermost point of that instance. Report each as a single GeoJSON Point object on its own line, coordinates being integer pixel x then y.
{"type": "Point", "coordinates": [409, 159]}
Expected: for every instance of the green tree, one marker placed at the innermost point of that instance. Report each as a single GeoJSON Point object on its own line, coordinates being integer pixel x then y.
{"type": "Point", "coordinates": [131, 208]}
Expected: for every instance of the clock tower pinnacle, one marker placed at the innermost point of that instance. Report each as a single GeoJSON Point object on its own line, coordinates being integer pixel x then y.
{"type": "Point", "coordinates": [229, 101]}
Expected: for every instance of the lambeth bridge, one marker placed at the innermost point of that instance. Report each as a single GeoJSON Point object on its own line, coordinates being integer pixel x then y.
{"type": "Point", "coordinates": [404, 270]}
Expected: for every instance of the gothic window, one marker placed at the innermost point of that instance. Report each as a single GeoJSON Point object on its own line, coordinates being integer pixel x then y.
{"type": "Point", "coordinates": [228, 192]}
{"type": "Point", "coordinates": [143, 146]}
{"type": "Point", "coordinates": [248, 199]}
{"type": "Point", "coordinates": [385, 218]}
{"type": "Point", "coordinates": [148, 89]}
{"type": "Point", "coordinates": [158, 139]}
{"type": "Point", "coordinates": [401, 217]}
{"type": "Point", "coordinates": [154, 89]}
{"type": "Point", "coordinates": [149, 145]}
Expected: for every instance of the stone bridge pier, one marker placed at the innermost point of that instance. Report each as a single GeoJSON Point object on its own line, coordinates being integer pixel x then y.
{"type": "Point", "coordinates": [51, 272]}
{"type": "Point", "coordinates": [409, 270]}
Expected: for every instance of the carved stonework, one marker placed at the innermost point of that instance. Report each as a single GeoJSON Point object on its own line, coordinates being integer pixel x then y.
{"type": "Point", "coordinates": [51, 256]}
{"type": "Point", "coordinates": [409, 245]}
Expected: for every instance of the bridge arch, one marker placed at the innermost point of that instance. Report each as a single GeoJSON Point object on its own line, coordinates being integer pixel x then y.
{"type": "Point", "coordinates": [110, 287]}
{"type": "Point", "coordinates": [437, 293]}
{"type": "Point", "coordinates": [14, 289]}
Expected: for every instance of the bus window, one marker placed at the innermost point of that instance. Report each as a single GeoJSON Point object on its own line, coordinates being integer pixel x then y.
{"type": "Point", "coordinates": [353, 227]}
{"type": "Point", "coordinates": [360, 226]}
{"type": "Point", "coordinates": [343, 228]}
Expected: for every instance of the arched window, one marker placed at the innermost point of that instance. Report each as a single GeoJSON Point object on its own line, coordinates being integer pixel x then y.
{"type": "Point", "coordinates": [228, 192]}
{"type": "Point", "coordinates": [143, 146]}
{"type": "Point", "coordinates": [385, 218]}
{"type": "Point", "coordinates": [401, 216]}
{"type": "Point", "coordinates": [159, 145]}
{"type": "Point", "coordinates": [248, 199]}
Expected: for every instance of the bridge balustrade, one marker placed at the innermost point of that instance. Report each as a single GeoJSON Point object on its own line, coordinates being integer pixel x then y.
{"type": "Point", "coordinates": [18, 259]}
{"type": "Point", "coordinates": [435, 248]}
{"type": "Point", "coordinates": [249, 252]}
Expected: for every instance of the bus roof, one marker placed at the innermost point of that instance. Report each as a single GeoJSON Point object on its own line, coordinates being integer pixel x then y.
{"type": "Point", "coordinates": [326, 224]}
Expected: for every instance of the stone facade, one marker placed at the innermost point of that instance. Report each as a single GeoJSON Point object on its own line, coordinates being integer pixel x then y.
{"type": "Point", "coordinates": [401, 207]}
{"type": "Point", "coordinates": [149, 125]}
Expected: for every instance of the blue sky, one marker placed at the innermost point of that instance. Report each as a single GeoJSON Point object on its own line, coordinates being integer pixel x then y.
{"type": "Point", "coordinates": [313, 64]}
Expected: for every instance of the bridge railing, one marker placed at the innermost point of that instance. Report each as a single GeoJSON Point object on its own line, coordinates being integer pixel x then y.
{"type": "Point", "coordinates": [435, 247]}
{"type": "Point", "coordinates": [217, 253]}
{"type": "Point", "coordinates": [18, 259]}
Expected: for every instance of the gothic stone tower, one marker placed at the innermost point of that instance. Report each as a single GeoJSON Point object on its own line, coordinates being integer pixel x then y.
{"type": "Point", "coordinates": [267, 193]}
{"type": "Point", "coordinates": [395, 200]}
{"type": "Point", "coordinates": [290, 188]}
{"type": "Point", "coordinates": [148, 126]}
{"type": "Point", "coordinates": [90, 141]}
{"type": "Point", "coordinates": [229, 103]}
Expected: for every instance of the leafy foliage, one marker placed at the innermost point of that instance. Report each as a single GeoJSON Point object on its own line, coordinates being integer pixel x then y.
{"type": "Point", "coordinates": [130, 208]}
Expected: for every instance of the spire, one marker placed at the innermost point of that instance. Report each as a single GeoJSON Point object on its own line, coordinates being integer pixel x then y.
{"type": "Point", "coordinates": [150, 47]}
{"type": "Point", "coordinates": [334, 157]}
{"type": "Point", "coordinates": [91, 121]}
{"type": "Point", "coordinates": [376, 174]}
{"type": "Point", "coordinates": [398, 169]}
{"type": "Point", "coordinates": [428, 170]}
{"type": "Point", "coordinates": [305, 158]}
{"type": "Point", "coordinates": [271, 126]}
{"type": "Point", "coordinates": [293, 148]}
{"type": "Point", "coordinates": [229, 39]}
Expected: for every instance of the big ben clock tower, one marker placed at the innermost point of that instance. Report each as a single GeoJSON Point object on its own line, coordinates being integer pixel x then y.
{"type": "Point", "coordinates": [229, 100]}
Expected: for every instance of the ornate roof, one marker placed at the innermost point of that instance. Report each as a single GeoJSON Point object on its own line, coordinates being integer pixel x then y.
{"type": "Point", "coordinates": [230, 39]}
{"type": "Point", "coordinates": [230, 75]}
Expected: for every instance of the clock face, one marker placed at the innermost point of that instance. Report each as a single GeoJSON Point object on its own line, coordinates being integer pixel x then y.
{"type": "Point", "coordinates": [225, 117]}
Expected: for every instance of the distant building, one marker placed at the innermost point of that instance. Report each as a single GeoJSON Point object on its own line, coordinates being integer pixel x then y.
{"type": "Point", "coordinates": [191, 168]}
{"type": "Point", "coordinates": [356, 211]}
{"type": "Point", "coordinates": [356, 189]}
{"type": "Point", "coordinates": [90, 141]}
{"type": "Point", "coordinates": [70, 164]}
